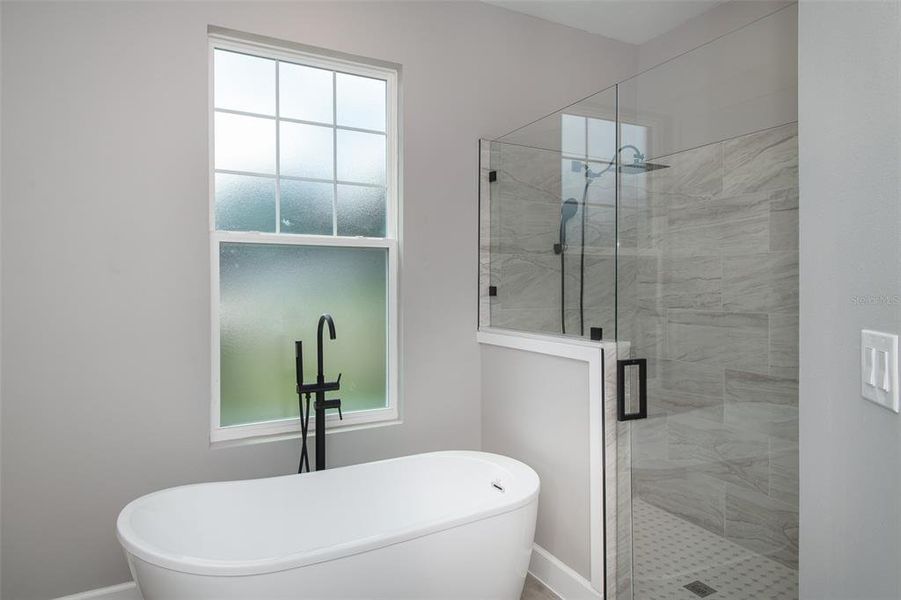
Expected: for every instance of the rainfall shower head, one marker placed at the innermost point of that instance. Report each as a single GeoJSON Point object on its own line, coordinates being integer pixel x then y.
{"type": "Point", "coordinates": [636, 167]}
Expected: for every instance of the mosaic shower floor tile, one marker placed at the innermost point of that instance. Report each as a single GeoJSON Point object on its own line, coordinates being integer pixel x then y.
{"type": "Point", "coordinates": [671, 553]}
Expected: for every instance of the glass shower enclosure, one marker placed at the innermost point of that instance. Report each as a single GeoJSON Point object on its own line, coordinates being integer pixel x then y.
{"type": "Point", "coordinates": [662, 213]}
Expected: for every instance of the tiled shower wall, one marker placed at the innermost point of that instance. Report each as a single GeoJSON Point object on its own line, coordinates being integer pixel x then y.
{"type": "Point", "coordinates": [708, 286]}
{"type": "Point", "coordinates": [707, 280]}
{"type": "Point", "coordinates": [524, 216]}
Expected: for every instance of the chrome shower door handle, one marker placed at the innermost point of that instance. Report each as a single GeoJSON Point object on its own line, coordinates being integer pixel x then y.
{"type": "Point", "coordinates": [642, 364]}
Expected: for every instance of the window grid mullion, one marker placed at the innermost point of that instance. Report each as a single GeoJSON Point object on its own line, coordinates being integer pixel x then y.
{"type": "Point", "coordinates": [278, 155]}
{"type": "Point", "coordinates": [244, 113]}
{"type": "Point", "coordinates": [277, 176]}
{"type": "Point", "coordinates": [335, 153]}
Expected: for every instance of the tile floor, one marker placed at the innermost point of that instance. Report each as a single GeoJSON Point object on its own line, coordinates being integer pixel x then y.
{"type": "Point", "coordinates": [672, 553]}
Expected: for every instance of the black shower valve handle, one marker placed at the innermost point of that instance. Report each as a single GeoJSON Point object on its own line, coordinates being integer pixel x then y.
{"type": "Point", "coordinates": [334, 403]}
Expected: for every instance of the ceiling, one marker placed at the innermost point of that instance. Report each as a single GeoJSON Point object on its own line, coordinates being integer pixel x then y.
{"type": "Point", "coordinates": [631, 21]}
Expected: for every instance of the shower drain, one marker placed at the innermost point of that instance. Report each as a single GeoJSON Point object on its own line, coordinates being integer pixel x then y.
{"type": "Point", "coordinates": [699, 588]}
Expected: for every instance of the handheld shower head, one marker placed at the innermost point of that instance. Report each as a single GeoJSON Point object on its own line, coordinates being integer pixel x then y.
{"type": "Point", "coordinates": [568, 210]}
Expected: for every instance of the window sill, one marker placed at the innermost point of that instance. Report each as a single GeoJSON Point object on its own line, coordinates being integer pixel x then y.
{"type": "Point", "coordinates": [288, 429]}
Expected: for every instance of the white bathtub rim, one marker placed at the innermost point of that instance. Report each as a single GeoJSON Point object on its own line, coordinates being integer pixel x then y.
{"type": "Point", "coordinates": [357, 549]}
{"type": "Point", "coordinates": [193, 565]}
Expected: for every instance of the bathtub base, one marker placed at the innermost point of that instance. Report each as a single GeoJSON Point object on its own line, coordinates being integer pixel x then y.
{"type": "Point", "coordinates": [485, 559]}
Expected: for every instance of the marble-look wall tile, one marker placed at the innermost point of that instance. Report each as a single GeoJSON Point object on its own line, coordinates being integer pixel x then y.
{"type": "Point", "coordinates": [737, 340]}
{"type": "Point", "coordinates": [777, 420]}
{"type": "Point", "coordinates": [649, 327]}
{"type": "Point", "coordinates": [528, 293]}
{"type": "Point", "coordinates": [784, 471]}
{"type": "Point", "coordinates": [716, 290]}
{"type": "Point", "coordinates": [536, 320]}
{"type": "Point", "coordinates": [784, 345]}
{"type": "Point", "coordinates": [762, 161]}
{"type": "Point", "coordinates": [762, 524]}
{"type": "Point", "coordinates": [650, 210]}
{"type": "Point", "coordinates": [766, 282]}
{"type": "Point", "coordinates": [673, 402]}
{"type": "Point", "coordinates": [524, 223]}
{"type": "Point", "coordinates": [691, 378]}
{"type": "Point", "coordinates": [642, 218]}
{"type": "Point", "coordinates": [762, 403]}
{"type": "Point", "coordinates": [727, 453]}
{"type": "Point", "coordinates": [600, 228]}
{"type": "Point", "coordinates": [784, 220]}
{"type": "Point", "coordinates": [695, 497]}
{"type": "Point", "coordinates": [600, 279]}
{"type": "Point", "coordinates": [601, 316]}
{"type": "Point", "coordinates": [622, 549]}
{"type": "Point", "coordinates": [617, 520]}
{"type": "Point", "coordinates": [682, 281]}
{"type": "Point", "coordinates": [690, 437]}
{"type": "Point", "coordinates": [742, 386]}
{"type": "Point", "coordinates": [650, 440]}
{"type": "Point", "coordinates": [484, 233]}
{"type": "Point", "coordinates": [697, 172]}
{"type": "Point", "coordinates": [729, 225]}
{"type": "Point", "coordinates": [627, 221]}
{"type": "Point", "coordinates": [532, 171]}
{"type": "Point", "coordinates": [707, 275]}
{"type": "Point", "coordinates": [527, 199]}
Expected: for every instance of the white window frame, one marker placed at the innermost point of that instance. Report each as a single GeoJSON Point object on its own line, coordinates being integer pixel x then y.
{"type": "Point", "coordinates": [290, 428]}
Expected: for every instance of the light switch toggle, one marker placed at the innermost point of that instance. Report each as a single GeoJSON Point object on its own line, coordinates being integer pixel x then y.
{"type": "Point", "coordinates": [885, 385]}
{"type": "Point", "coordinates": [879, 368]}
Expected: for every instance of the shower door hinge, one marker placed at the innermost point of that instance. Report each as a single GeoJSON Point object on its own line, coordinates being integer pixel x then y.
{"type": "Point", "coordinates": [492, 176]}
{"type": "Point", "coordinates": [642, 364]}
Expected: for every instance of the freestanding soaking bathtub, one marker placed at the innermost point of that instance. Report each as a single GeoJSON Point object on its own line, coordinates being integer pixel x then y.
{"type": "Point", "coordinates": [454, 525]}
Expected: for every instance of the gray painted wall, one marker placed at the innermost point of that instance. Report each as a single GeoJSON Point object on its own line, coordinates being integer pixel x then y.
{"type": "Point", "coordinates": [105, 263]}
{"type": "Point", "coordinates": [535, 409]}
{"type": "Point", "coordinates": [727, 73]}
{"type": "Point", "coordinates": [720, 20]}
{"type": "Point", "coordinates": [850, 219]}
{"type": "Point", "coordinates": [732, 86]}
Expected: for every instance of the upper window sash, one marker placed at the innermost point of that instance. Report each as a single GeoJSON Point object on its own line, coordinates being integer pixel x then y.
{"type": "Point", "coordinates": [338, 65]}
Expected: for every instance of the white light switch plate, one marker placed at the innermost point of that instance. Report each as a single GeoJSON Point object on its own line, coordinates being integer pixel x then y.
{"type": "Point", "coordinates": [879, 368]}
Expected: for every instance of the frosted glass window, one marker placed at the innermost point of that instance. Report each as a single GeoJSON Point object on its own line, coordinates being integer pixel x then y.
{"type": "Point", "coordinates": [307, 207]}
{"type": "Point", "coordinates": [299, 157]}
{"type": "Point", "coordinates": [361, 211]}
{"type": "Point", "coordinates": [361, 157]}
{"type": "Point", "coordinates": [244, 143]}
{"type": "Point", "coordinates": [244, 83]}
{"type": "Point", "coordinates": [270, 296]}
{"type": "Point", "coordinates": [360, 102]}
{"type": "Point", "coordinates": [305, 93]}
{"type": "Point", "coordinates": [601, 140]}
{"type": "Point", "coordinates": [635, 135]}
{"type": "Point", "coordinates": [245, 203]}
{"type": "Point", "coordinates": [573, 135]}
{"type": "Point", "coordinates": [306, 151]}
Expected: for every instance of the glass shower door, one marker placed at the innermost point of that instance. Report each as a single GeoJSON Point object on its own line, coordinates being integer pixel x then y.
{"type": "Point", "coordinates": [548, 236]}
{"type": "Point", "coordinates": [707, 295]}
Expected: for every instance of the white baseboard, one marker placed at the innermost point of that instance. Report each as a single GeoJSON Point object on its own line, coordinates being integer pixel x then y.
{"type": "Point", "coordinates": [544, 566]}
{"type": "Point", "coordinates": [559, 578]}
{"type": "Point", "coordinates": [123, 591]}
